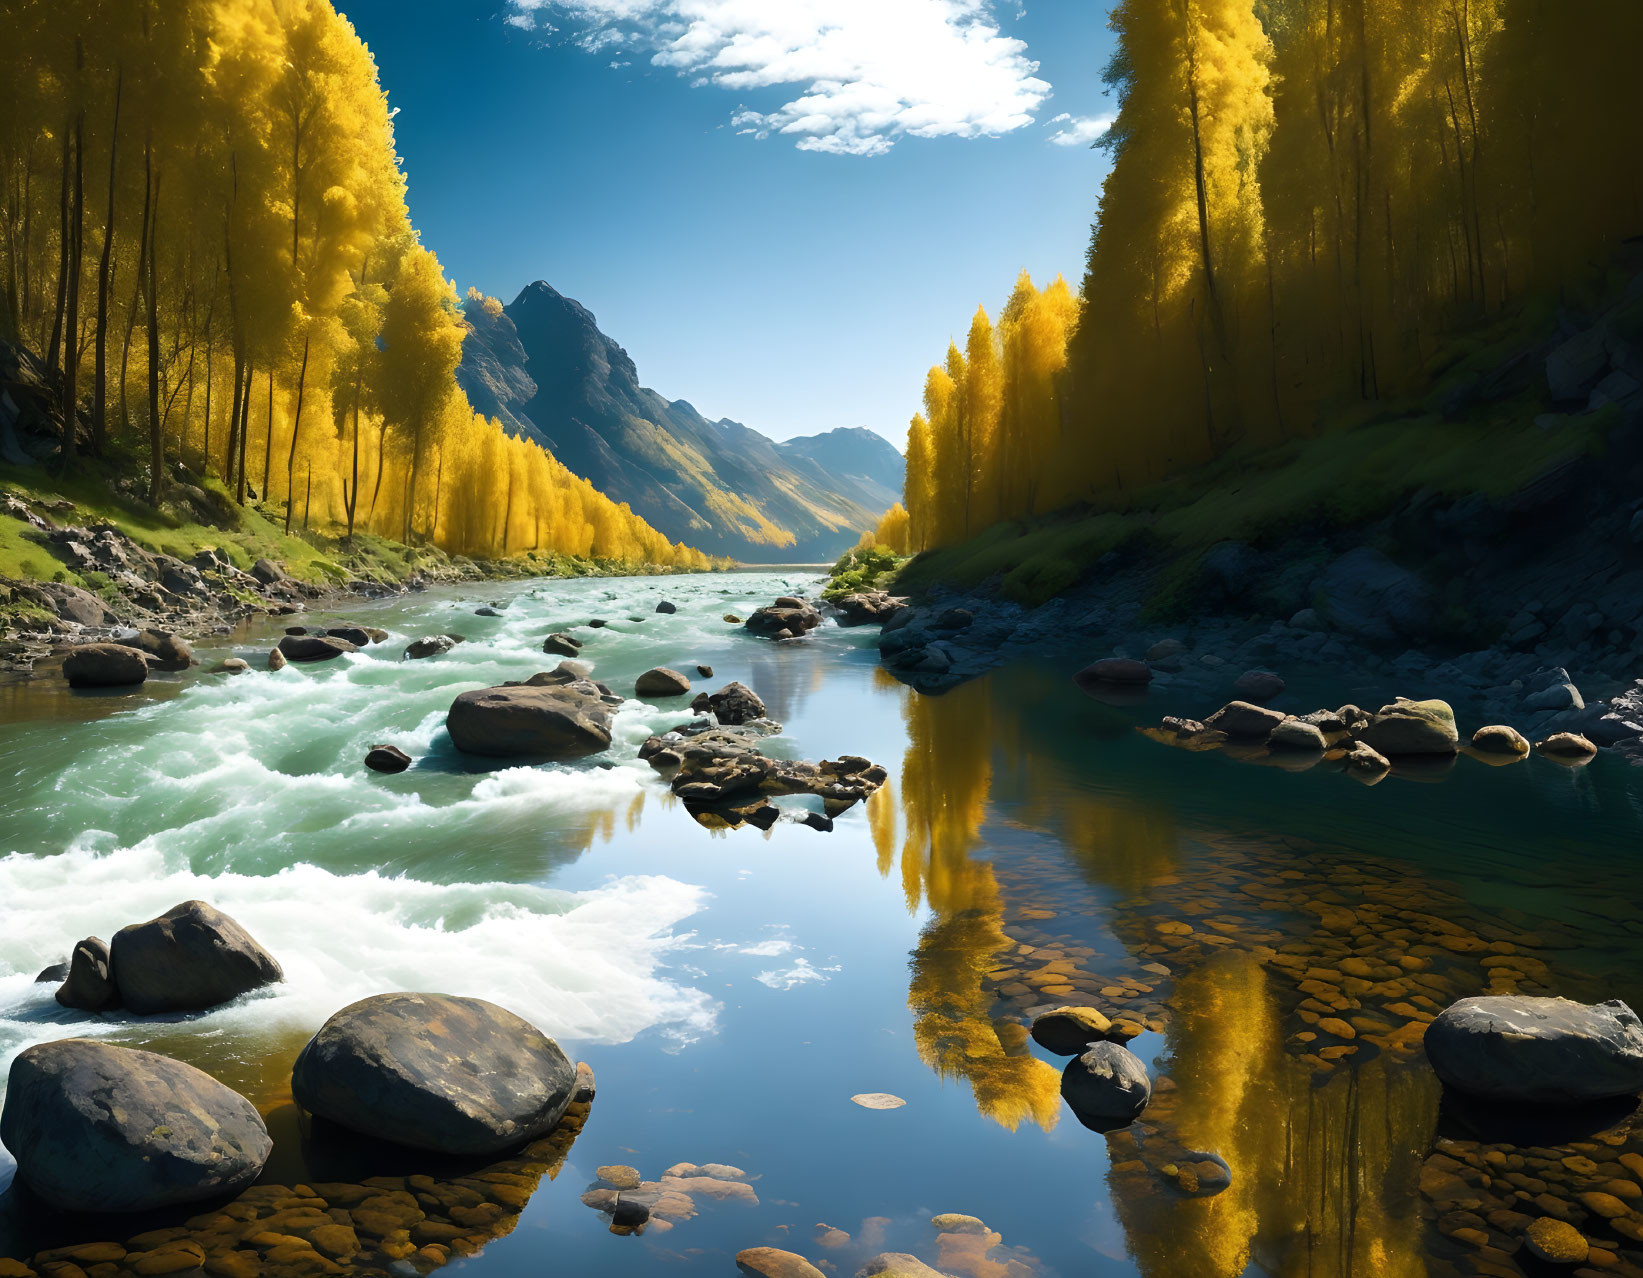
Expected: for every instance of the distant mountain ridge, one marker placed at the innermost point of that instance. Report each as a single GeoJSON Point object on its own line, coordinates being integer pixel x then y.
{"type": "Point", "coordinates": [544, 369]}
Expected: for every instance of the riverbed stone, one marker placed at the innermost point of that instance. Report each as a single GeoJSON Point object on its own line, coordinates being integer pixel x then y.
{"type": "Point", "coordinates": [1105, 1085]}
{"type": "Point", "coordinates": [89, 986]}
{"type": "Point", "coordinates": [1566, 745]}
{"type": "Point", "coordinates": [736, 704]}
{"type": "Point", "coordinates": [1244, 719]}
{"type": "Point", "coordinates": [898, 1264]}
{"type": "Point", "coordinates": [667, 606]}
{"type": "Point", "coordinates": [661, 682]}
{"type": "Point", "coordinates": [1498, 738]}
{"type": "Point", "coordinates": [1258, 685]}
{"type": "Point", "coordinates": [314, 647]}
{"type": "Point", "coordinates": [560, 644]}
{"type": "Point", "coordinates": [359, 636]}
{"type": "Point", "coordinates": [435, 1072]}
{"type": "Point", "coordinates": [105, 665]}
{"type": "Point", "coordinates": [387, 758]}
{"type": "Point", "coordinates": [1067, 1031]}
{"type": "Point", "coordinates": [166, 651]}
{"type": "Point", "coordinates": [95, 1127]}
{"type": "Point", "coordinates": [189, 958]}
{"type": "Point", "coordinates": [1556, 1242]}
{"type": "Point", "coordinates": [1412, 727]}
{"type": "Point", "coordinates": [787, 618]}
{"type": "Point", "coordinates": [1297, 734]}
{"type": "Point", "coordinates": [231, 666]}
{"type": "Point", "coordinates": [431, 646]}
{"type": "Point", "coordinates": [1548, 1051]}
{"type": "Point", "coordinates": [771, 1262]}
{"type": "Point", "coordinates": [276, 659]}
{"type": "Point", "coordinates": [557, 721]}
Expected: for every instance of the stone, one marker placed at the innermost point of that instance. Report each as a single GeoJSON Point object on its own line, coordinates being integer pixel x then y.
{"type": "Point", "coordinates": [1557, 696]}
{"type": "Point", "coordinates": [1365, 594]}
{"type": "Point", "coordinates": [387, 758]}
{"type": "Point", "coordinates": [1166, 649]}
{"type": "Point", "coordinates": [1258, 685]}
{"type": "Point", "coordinates": [189, 958]}
{"type": "Point", "coordinates": [105, 665]}
{"type": "Point", "coordinates": [268, 573]}
{"type": "Point", "coordinates": [431, 646]}
{"type": "Point", "coordinates": [1297, 734]}
{"type": "Point", "coordinates": [562, 645]}
{"type": "Point", "coordinates": [770, 1262]}
{"type": "Point", "coordinates": [1067, 1031]}
{"type": "Point", "coordinates": [661, 682]}
{"type": "Point", "coordinates": [100, 1128]}
{"type": "Point", "coordinates": [1566, 745]}
{"type": "Point", "coordinates": [731, 619]}
{"type": "Point", "coordinates": [877, 1100]}
{"type": "Point", "coordinates": [314, 647]}
{"type": "Point", "coordinates": [356, 635]}
{"type": "Point", "coordinates": [898, 1264]}
{"type": "Point", "coordinates": [1243, 720]}
{"type": "Point", "coordinates": [1556, 1242]}
{"type": "Point", "coordinates": [1411, 727]}
{"type": "Point", "coordinates": [867, 607]}
{"type": "Point", "coordinates": [562, 721]}
{"type": "Point", "coordinates": [736, 704]}
{"type": "Point", "coordinates": [665, 606]}
{"type": "Point", "coordinates": [953, 1222]}
{"type": "Point", "coordinates": [487, 611]}
{"type": "Point", "coordinates": [1121, 670]}
{"type": "Point", "coordinates": [1497, 738]}
{"type": "Point", "coordinates": [706, 672]}
{"type": "Point", "coordinates": [89, 986]}
{"type": "Point", "coordinates": [787, 618]}
{"type": "Point", "coordinates": [1106, 1085]}
{"type": "Point", "coordinates": [231, 666]}
{"type": "Point", "coordinates": [166, 651]}
{"type": "Point", "coordinates": [276, 659]}
{"type": "Point", "coordinates": [435, 1072]}
{"type": "Point", "coordinates": [1365, 761]}
{"type": "Point", "coordinates": [618, 1176]}
{"type": "Point", "coordinates": [1547, 1051]}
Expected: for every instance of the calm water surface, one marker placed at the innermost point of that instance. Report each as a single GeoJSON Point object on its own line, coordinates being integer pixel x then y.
{"type": "Point", "coordinates": [1278, 938]}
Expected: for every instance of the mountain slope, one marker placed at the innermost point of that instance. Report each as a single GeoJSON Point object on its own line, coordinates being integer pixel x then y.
{"type": "Point", "coordinates": [544, 369]}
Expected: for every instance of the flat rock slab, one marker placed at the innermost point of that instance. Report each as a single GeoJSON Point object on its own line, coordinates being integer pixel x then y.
{"type": "Point", "coordinates": [1549, 1051]}
{"type": "Point", "coordinates": [878, 1100]}
{"type": "Point", "coordinates": [563, 721]}
{"type": "Point", "coordinates": [101, 1128]}
{"type": "Point", "coordinates": [435, 1072]}
{"type": "Point", "coordinates": [314, 647]}
{"type": "Point", "coordinates": [772, 1262]}
{"type": "Point", "coordinates": [190, 958]}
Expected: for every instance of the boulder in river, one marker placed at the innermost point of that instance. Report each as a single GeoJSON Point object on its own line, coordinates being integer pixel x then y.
{"type": "Point", "coordinates": [661, 682]}
{"type": "Point", "coordinates": [387, 758]}
{"type": "Point", "coordinates": [1119, 670]}
{"type": "Point", "coordinates": [231, 666]}
{"type": "Point", "coordinates": [1245, 720]}
{"type": "Point", "coordinates": [435, 1072]}
{"type": "Point", "coordinates": [562, 645]}
{"type": "Point", "coordinates": [1297, 734]}
{"type": "Point", "coordinates": [1566, 745]}
{"type": "Point", "coordinates": [359, 636]}
{"type": "Point", "coordinates": [772, 1262]}
{"type": "Point", "coordinates": [276, 659]}
{"type": "Point", "coordinates": [1497, 738]}
{"type": "Point", "coordinates": [99, 1128]}
{"type": "Point", "coordinates": [867, 607]}
{"type": "Point", "coordinates": [1067, 1031]}
{"type": "Point", "coordinates": [547, 721]}
{"type": "Point", "coordinates": [89, 986]}
{"type": "Point", "coordinates": [315, 647]}
{"type": "Point", "coordinates": [1258, 685]}
{"type": "Point", "coordinates": [1106, 1086]}
{"type": "Point", "coordinates": [1544, 1051]}
{"type": "Point", "coordinates": [1412, 727]}
{"type": "Point", "coordinates": [666, 606]}
{"type": "Point", "coordinates": [431, 646]}
{"type": "Point", "coordinates": [735, 704]}
{"type": "Point", "coordinates": [189, 958]}
{"type": "Point", "coordinates": [166, 651]}
{"type": "Point", "coordinates": [105, 665]}
{"type": "Point", "coordinates": [787, 618]}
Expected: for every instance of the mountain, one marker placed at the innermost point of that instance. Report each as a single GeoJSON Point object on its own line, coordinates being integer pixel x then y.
{"type": "Point", "coordinates": [542, 367]}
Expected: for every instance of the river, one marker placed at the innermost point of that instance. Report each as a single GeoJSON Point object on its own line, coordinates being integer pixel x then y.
{"type": "Point", "coordinates": [733, 989]}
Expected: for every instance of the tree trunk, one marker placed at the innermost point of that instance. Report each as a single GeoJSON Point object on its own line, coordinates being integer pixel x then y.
{"type": "Point", "coordinates": [291, 458]}
{"type": "Point", "coordinates": [54, 347]}
{"type": "Point", "coordinates": [99, 393]}
{"type": "Point", "coordinates": [71, 338]}
{"type": "Point", "coordinates": [156, 424]}
{"type": "Point", "coordinates": [382, 453]}
{"type": "Point", "coordinates": [268, 439]}
{"type": "Point", "coordinates": [245, 427]}
{"type": "Point", "coordinates": [233, 420]}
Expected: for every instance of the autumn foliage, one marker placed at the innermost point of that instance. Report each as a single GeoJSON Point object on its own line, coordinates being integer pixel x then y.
{"type": "Point", "coordinates": [205, 232]}
{"type": "Point", "coordinates": [1307, 200]}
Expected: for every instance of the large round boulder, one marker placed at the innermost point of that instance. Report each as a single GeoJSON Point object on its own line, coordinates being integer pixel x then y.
{"type": "Point", "coordinates": [1106, 1085]}
{"type": "Point", "coordinates": [735, 704]}
{"type": "Point", "coordinates": [1498, 738]}
{"type": "Point", "coordinates": [551, 721]}
{"type": "Point", "coordinates": [1412, 727]}
{"type": "Point", "coordinates": [166, 651]}
{"type": "Point", "coordinates": [189, 958]}
{"type": "Point", "coordinates": [1548, 1051]}
{"type": "Point", "coordinates": [431, 646]}
{"type": "Point", "coordinates": [100, 1128]}
{"type": "Point", "coordinates": [105, 665]}
{"type": "Point", "coordinates": [560, 644]}
{"type": "Point", "coordinates": [435, 1072]}
{"type": "Point", "coordinates": [314, 647]}
{"type": "Point", "coordinates": [661, 682]}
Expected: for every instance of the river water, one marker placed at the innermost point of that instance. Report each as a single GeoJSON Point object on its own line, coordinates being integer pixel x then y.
{"type": "Point", "coordinates": [1278, 938]}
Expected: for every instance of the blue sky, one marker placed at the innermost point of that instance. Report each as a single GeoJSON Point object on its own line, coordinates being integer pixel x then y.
{"type": "Point", "coordinates": [780, 227]}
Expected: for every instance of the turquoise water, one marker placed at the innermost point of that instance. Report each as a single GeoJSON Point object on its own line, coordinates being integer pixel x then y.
{"type": "Point", "coordinates": [733, 990]}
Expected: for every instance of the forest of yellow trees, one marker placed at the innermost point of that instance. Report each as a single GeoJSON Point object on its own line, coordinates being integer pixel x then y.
{"type": "Point", "coordinates": [1305, 197]}
{"type": "Point", "coordinates": [206, 237]}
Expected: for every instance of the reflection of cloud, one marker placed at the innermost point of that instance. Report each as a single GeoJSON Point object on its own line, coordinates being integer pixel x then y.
{"type": "Point", "coordinates": [868, 71]}
{"type": "Point", "coordinates": [800, 973]}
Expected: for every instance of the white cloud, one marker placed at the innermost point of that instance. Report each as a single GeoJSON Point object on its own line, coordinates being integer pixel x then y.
{"type": "Point", "coordinates": [524, 21]}
{"type": "Point", "coordinates": [867, 71]}
{"type": "Point", "coordinates": [1079, 130]}
{"type": "Point", "coordinates": [799, 974]}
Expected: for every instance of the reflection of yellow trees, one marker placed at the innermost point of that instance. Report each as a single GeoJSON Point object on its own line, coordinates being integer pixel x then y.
{"type": "Point", "coordinates": [945, 781]}
{"type": "Point", "coordinates": [1316, 1170]}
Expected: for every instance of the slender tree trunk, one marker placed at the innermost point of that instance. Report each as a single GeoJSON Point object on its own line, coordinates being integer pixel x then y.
{"type": "Point", "coordinates": [439, 483]}
{"type": "Point", "coordinates": [233, 419]}
{"type": "Point", "coordinates": [156, 424]}
{"type": "Point", "coordinates": [71, 338]}
{"type": "Point", "coordinates": [245, 428]}
{"type": "Point", "coordinates": [291, 457]}
{"type": "Point", "coordinates": [308, 493]}
{"type": "Point", "coordinates": [54, 347]}
{"type": "Point", "coordinates": [99, 393]}
{"type": "Point", "coordinates": [382, 453]}
{"type": "Point", "coordinates": [268, 438]}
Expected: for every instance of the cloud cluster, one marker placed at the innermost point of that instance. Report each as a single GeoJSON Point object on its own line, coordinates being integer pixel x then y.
{"type": "Point", "coordinates": [1079, 130]}
{"type": "Point", "coordinates": [865, 72]}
